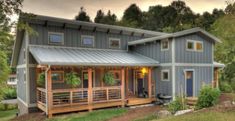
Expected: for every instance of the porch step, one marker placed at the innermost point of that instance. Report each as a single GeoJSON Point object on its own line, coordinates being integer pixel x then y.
{"type": "Point", "coordinates": [191, 101]}
{"type": "Point", "coordinates": [139, 101]}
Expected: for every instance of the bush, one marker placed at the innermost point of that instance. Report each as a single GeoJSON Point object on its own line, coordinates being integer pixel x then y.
{"type": "Point", "coordinates": [72, 79]}
{"type": "Point", "coordinates": [225, 87]}
{"type": "Point", "coordinates": [233, 85]}
{"type": "Point", "coordinates": [9, 93]}
{"type": "Point", "coordinates": [41, 80]}
{"type": "Point", "coordinates": [109, 79]}
{"type": "Point", "coordinates": [208, 97]}
{"type": "Point", "coordinates": [176, 105]}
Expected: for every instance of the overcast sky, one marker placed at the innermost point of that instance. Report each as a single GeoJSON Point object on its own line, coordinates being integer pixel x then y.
{"type": "Point", "coordinates": [70, 8]}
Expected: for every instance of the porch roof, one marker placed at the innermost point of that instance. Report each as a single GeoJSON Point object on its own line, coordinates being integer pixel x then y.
{"type": "Point", "coordinates": [52, 55]}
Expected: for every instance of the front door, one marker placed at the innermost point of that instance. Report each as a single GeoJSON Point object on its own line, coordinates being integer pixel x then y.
{"type": "Point", "coordinates": [189, 83]}
{"type": "Point", "coordinates": [140, 83]}
{"type": "Point", "coordinates": [85, 79]}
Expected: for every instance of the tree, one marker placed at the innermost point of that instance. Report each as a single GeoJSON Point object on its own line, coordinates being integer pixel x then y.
{"type": "Point", "coordinates": [224, 28]}
{"type": "Point", "coordinates": [82, 16]}
{"type": "Point", "coordinates": [132, 14]}
{"type": "Point", "coordinates": [99, 16]}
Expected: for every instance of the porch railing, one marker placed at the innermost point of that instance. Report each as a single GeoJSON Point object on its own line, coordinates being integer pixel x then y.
{"type": "Point", "coordinates": [41, 96]}
{"type": "Point", "coordinates": [106, 94]}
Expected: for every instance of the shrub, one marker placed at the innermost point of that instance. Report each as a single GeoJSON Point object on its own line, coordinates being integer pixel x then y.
{"type": "Point", "coordinates": [9, 93]}
{"type": "Point", "coordinates": [233, 85]}
{"type": "Point", "coordinates": [109, 78]}
{"type": "Point", "coordinates": [208, 97]}
{"type": "Point", "coordinates": [72, 79]}
{"type": "Point", "coordinates": [225, 87]}
{"type": "Point", "coordinates": [41, 80]}
{"type": "Point", "coordinates": [176, 105]}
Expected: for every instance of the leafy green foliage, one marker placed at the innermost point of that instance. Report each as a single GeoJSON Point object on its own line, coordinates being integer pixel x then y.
{"type": "Point", "coordinates": [9, 93]}
{"type": "Point", "coordinates": [82, 15]}
{"type": "Point", "coordinates": [72, 79]}
{"type": "Point", "coordinates": [4, 69]}
{"type": "Point", "coordinates": [133, 14]}
{"type": "Point", "coordinates": [225, 87]}
{"type": "Point", "coordinates": [41, 80]}
{"type": "Point", "coordinates": [109, 78]}
{"type": "Point", "coordinates": [110, 18]}
{"type": "Point", "coordinates": [208, 97]}
{"type": "Point", "coordinates": [178, 104]}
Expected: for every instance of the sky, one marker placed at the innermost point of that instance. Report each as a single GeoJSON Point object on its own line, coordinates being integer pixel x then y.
{"type": "Point", "coordinates": [70, 8]}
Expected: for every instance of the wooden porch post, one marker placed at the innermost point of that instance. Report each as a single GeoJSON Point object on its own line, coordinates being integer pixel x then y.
{"type": "Point", "coordinates": [127, 81]}
{"type": "Point", "coordinates": [217, 77]}
{"type": "Point", "coordinates": [49, 93]}
{"type": "Point", "coordinates": [90, 97]}
{"type": "Point", "coordinates": [123, 86]}
{"type": "Point", "coordinates": [150, 82]}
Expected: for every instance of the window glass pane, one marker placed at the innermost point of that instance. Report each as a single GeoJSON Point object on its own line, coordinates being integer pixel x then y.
{"type": "Point", "coordinates": [55, 38]}
{"type": "Point", "coordinates": [87, 41]}
{"type": "Point", "coordinates": [165, 75]}
{"type": "Point", "coordinates": [165, 45]}
{"type": "Point", "coordinates": [114, 43]}
{"type": "Point", "coordinates": [57, 77]}
{"type": "Point", "coordinates": [199, 46]}
{"type": "Point", "coordinates": [190, 45]}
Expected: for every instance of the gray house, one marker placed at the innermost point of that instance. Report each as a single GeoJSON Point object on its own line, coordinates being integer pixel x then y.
{"type": "Point", "coordinates": [143, 64]}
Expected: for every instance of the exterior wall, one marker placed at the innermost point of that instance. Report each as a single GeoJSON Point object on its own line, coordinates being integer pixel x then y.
{"type": "Point", "coordinates": [33, 84]}
{"type": "Point", "coordinates": [21, 54]}
{"type": "Point", "coordinates": [184, 56]}
{"type": "Point", "coordinates": [21, 84]}
{"type": "Point", "coordinates": [153, 50]}
{"type": "Point", "coordinates": [164, 87]}
{"type": "Point", "coordinates": [201, 75]}
{"type": "Point", "coordinates": [72, 37]}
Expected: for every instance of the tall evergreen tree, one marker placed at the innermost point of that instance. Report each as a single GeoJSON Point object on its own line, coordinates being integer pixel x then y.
{"type": "Point", "coordinates": [99, 16]}
{"type": "Point", "coordinates": [82, 16]}
{"type": "Point", "coordinates": [132, 15]}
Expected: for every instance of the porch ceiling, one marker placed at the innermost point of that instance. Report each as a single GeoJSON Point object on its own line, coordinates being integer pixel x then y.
{"type": "Point", "coordinates": [51, 55]}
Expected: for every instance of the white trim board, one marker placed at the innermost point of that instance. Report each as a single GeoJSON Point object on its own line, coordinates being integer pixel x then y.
{"type": "Point", "coordinates": [27, 105]}
{"type": "Point", "coordinates": [188, 64]}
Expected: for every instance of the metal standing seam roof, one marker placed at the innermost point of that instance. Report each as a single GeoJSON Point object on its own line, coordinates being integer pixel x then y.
{"type": "Point", "coordinates": [46, 55]}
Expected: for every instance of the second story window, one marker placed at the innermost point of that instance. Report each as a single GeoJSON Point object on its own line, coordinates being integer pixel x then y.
{"type": "Point", "coordinates": [190, 45]}
{"type": "Point", "coordinates": [55, 38]}
{"type": "Point", "coordinates": [114, 43]}
{"type": "Point", "coordinates": [87, 41]}
{"type": "Point", "coordinates": [194, 46]}
{"type": "Point", "coordinates": [199, 46]}
{"type": "Point", "coordinates": [164, 45]}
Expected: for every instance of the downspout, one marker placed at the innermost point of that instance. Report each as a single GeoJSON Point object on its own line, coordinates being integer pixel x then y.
{"type": "Point", "coordinates": [49, 66]}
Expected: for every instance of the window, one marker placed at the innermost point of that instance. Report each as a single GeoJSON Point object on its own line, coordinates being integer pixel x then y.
{"type": "Point", "coordinates": [199, 46]}
{"type": "Point", "coordinates": [87, 41]}
{"type": "Point", "coordinates": [57, 76]}
{"type": "Point", "coordinates": [117, 76]}
{"type": "Point", "coordinates": [190, 45]}
{"type": "Point", "coordinates": [165, 75]}
{"type": "Point", "coordinates": [194, 45]}
{"type": "Point", "coordinates": [164, 45]}
{"type": "Point", "coordinates": [114, 43]}
{"type": "Point", "coordinates": [55, 38]}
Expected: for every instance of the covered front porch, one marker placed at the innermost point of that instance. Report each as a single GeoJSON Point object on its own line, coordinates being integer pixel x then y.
{"type": "Point", "coordinates": [132, 73]}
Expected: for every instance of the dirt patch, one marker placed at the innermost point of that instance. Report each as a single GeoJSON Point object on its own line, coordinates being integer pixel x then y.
{"type": "Point", "coordinates": [226, 97]}
{"type": "Point", "coordinates": [31, 117]}
{"type": "Point", "coordinates": [137, 113]}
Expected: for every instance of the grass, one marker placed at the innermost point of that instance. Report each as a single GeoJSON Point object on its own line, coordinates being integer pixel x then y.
{"type": "Point", "coordinates": [203, 116]}
{"type": "Point", "coordinates": [147, 118]}
{"type": "Point", "coordinates": [99, 115]}
{"type": "Point", "coordinates": [7, 115]}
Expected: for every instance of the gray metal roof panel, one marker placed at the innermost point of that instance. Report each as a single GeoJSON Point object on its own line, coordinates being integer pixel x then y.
{"type": "Point", "coordinates": [50, 55]}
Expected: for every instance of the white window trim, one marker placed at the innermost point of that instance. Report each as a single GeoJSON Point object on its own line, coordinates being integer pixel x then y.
{"type": "Point", "coordinates": [118, 39]}
{"type": "Point", "coordinates": [52, 43]}
{"type": "Point", "coordinates": [165, 49]}
{"type": "Point", "coordinates": [194, 46]}
{"type": "Point", "coordinates": [90, 36]}
{"type": "Point", "coordinates": [165, 70]}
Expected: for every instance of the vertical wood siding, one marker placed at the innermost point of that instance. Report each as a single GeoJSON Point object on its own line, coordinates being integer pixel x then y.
{"type": "Point", "coordinates": [184, 56]}
{"type": "Point", "coordinates": [21, 84]}
{"type": "Point", "coordinates": [72, 37]}
{"type": "Point", "coordinates": [33, 84]}
{"type": "Point", "coordinates": [201, 74]}
{"type": "Point", "coordinates": [21, 54]}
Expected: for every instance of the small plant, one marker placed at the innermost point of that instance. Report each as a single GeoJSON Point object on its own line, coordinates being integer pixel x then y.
{"type": "Point", "coordinates": [226, 87]}
{"type": "Point", "coordinates": [177, 104]}
{"type": "Point", "coordinates": [109, 79]}
{"type": "Point", "coordinates": [41, 80]}
{"type": "Point", "coordinates": [9, 93]}
{"type": "Point", "coordinates": [208, 97]}
{"type": "Point", "coordinates": [72, 79]}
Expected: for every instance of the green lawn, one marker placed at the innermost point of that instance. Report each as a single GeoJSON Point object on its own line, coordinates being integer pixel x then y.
{"type": "Point", "coordinates": [99, 115]}
{"type": "Point", "coordinates": [203, 116]}
{"type": "Point", "coordinates": [7, 115]}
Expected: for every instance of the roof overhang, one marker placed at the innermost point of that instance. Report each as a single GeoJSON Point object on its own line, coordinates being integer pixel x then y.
{"type": "Point", "coordinates": [176, 34]}
{"type": "Point", "coordinates": [218, 65]}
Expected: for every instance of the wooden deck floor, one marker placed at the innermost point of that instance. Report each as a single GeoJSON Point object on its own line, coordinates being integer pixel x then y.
{"type": "Point", "coordinates": [139, 101]}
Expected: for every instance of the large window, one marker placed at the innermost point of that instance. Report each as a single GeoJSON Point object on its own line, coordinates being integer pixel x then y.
{"type": "Point", "coordinates": [164, 45]}
{"type": "Point", "coordinates": [193, 45]}
{"type": "Point", "coordinates": [165, 75]}
{"type": "Point", "coordinates": [117, 76]}
{"type": "Point", "coordinates": [114, 43]}
{"type": "Point", "coordinates": [55, 38]}
{"type": "Point", "coordinates": [57, 76]}
{"type": "Point", "coordinates": [87, 41]}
